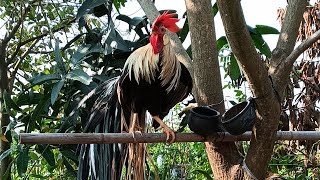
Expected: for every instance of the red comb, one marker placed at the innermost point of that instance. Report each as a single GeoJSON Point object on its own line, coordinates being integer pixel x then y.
{"type": "Point", "coordinates": [168, 21]}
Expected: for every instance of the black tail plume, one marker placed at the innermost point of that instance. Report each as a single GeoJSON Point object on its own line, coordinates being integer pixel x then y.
{"type": "Point", "coordinates": [103, 161]}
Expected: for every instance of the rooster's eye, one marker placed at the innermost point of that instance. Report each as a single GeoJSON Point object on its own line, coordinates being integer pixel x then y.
{"type": "Point", "coordinates": [162, 30]}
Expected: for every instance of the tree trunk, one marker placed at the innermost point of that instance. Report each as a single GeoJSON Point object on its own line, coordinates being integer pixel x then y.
{"type": "Point", "coordinates": [223, 157]}
{"type": "Point", "coordinates": [4, 118]}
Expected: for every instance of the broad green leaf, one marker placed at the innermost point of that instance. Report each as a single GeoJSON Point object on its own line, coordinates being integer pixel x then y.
{"type": "Point", "coordinates": [58, 57]}
{"type": "Point", "coordinates": [55, 90]}
{"type": "Point", "coordinates": [221, 42]}
{"type": "Point", "coordinates": [84, 50]}
{"type": "Point", "coordinates": [9, 103]}
{"type": "Point", "coordinates": [234, 68]}
{"type": "Point", "coordinates": [23, 159]}
{"type": "Point", "coordinates": [5, 154]}
{"type": "Point", "coordinates": [263, 29]}
{"type": "Point", "coordinates": [86, 6]}
{"type": "Point", "coordinates": [47, 153]}
{"type": "Point", "coordinates": [252, 30]}
{"type": "Point", "coordinates": [114, 37]}
{"type": "Point", "coordinates": [79, 75]}
{"type": "Point", "coordinates": [44, 78]}
{"type": "Point", "coordinates": [261, 45]}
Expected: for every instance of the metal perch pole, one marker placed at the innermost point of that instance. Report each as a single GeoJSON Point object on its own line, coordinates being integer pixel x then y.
{"type": "Point", "coordinates": [106, 138]}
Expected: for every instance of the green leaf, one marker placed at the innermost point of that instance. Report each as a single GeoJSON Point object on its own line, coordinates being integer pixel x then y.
{"type": "Point", "coordinates": [44, 78]}
{"type": "Point", "coordinates": [221, 42]}
{"type": "Point", "coordinates": [261, 45]}
{"type": "Point", "coordinates": [69, 167]}
{"type": "Point", "coordinates": [234, 68]}
{"type": "Point", "coordinates": [47, 153]}
{"type": "Point", "coordinates": [119, 3]}
{"type": "Point", "coordinates": [29, 98]}
{"type": "Point", "coordinates": [55, 90]}
{"type": "Point", "coordinates": [184, 31]}
{"type": "Point", "coordinates": [9, 103]}
{"type": "Point", "coordinates": [83, 51]}
{"type": "Point", "coordinates": [22, 161]}
{"type": "Point", "coordinates": [86, 6]}
{"type": "Point", "coordinates": [263, 29]}
{"type": "Point", "coordinates": [79, 75]}
{"type": "Point", "coordinates": [70, 155]}
{"type": "Point", "coordinates": [215, 9]}
{"type": "Point", "coordinates": [206, 174]}
{"type": "Point", "coordinates": [11, 125]}
{"type": "Point", "coordinates": [5, 154]}
{"type": "Point", "coordinates": [58, 58]}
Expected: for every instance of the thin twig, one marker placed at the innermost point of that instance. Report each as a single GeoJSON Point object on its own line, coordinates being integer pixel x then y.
{"type": "Point", "coordinates": [302, 47]}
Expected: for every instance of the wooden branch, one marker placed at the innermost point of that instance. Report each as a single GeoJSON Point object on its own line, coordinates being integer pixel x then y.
{"type": "Point", "coordinates": [18, 63]}
{"type": "Point", "coordinates": [107, 138]}
{"type": "Point", "coordinates": [207, 82]}
{"type": "Point", "coordinates": [255, 71]}
{"type": "Point", "coordinates": [279, 68]}
{"type": "Point", "coordinates": [17, 25]}
{"type": "Point", "coordinates": [152, 13]}
{"type": "Point", "coordinates": [302, 47]}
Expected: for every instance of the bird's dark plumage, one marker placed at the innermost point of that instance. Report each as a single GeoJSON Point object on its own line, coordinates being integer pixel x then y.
{"type": "Point", "coordinates": [152, 80]}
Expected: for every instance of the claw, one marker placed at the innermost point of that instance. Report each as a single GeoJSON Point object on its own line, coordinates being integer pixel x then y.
{"type": "Point", "coordinates": [169, 132]}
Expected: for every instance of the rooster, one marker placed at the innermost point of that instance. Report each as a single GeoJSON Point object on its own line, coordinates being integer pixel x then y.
{"type": "Point", "coordinates": [153, 80]}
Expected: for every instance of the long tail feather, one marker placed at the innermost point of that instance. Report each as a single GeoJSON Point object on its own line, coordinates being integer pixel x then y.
{"type": "Point", "coordinates": [103, 161]}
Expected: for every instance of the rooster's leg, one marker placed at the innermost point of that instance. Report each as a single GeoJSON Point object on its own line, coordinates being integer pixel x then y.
{"type": "Point", "coordinates": [133, 126]}
{"type": "Point", "coordinates": [169, 132]}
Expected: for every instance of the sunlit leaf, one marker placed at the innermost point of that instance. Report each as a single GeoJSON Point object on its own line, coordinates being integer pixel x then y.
{"type": "Point", "coordinates": [44, 78]}
{"type": "Point", "coordinates": [87, 6]}
{"type": "Point", "coordinates": [58, 57]}
{"type": "Point", "coordinates": [5, 154]}
{"type": "Point", "coordinates": [79, 75]}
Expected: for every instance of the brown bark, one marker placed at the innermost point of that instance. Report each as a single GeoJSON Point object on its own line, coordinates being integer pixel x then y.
{"type": "Point", "coordinates": [4, 118]}
{"type": "Point", "coordinates": [223, 157]}
{"type": "Point", "coordinates": [267, 91]}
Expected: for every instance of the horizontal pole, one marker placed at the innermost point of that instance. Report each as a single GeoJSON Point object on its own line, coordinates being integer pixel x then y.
{"type": "Point", "coordinates": [107, 138]}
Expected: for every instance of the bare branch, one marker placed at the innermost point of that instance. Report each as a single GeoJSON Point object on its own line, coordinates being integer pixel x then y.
{"type": "Point", "coordinates": [17, 65]}
{"type": "Point", "coordinates": [279, 67]}
{"type": "Point", "coordinates": [107, 138]}
{"type": "Point", "coordinates": [64, 24]}
{"type": "Point", "coordinates": [17, 26]}
{"type": "Point", "coordinates": [302, 47]}
{"type": "Point", "coordinates": [268, 107]}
